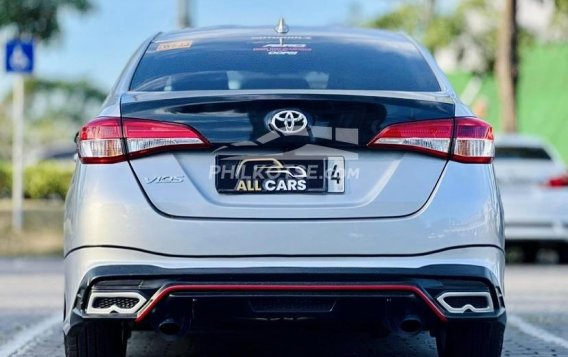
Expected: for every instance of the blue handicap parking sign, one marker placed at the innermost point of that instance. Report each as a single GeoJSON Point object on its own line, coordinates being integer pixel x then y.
{"type": "Point", "coordinates": [19, 56]}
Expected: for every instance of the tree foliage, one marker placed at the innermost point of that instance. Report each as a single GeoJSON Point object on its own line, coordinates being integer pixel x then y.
{"type": "Point", "coordinates": [561, 18]}
{"type": "Point", "coordinates": [55, 110]}
{"type": "Point", "coordinates": [562, 6]}
{"type": "Point", "coordinates": [70, 100]}
{"type": "Point", "coordinates": [436, 32]}
{"type": "Point", "coordinates": [37, 18]}
{"type": "Point", "coordinates": [472, 25]}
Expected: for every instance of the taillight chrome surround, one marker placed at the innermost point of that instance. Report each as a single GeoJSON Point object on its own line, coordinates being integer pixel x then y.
{"type": "Point", "coordinates": [110, 139]}
{"type": "Point", "coordinates": [465, 139]}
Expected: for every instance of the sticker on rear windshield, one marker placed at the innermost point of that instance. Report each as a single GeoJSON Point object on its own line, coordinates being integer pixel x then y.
{"type": "Point", "coordinates": [283, 48]}
{"type": "Point", "coordinates": [173, 45]}
{"type": "Point", "coordinates": [261, 38]}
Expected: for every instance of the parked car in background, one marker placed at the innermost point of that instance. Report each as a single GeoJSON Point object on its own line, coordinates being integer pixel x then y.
{"type": "Point", "coordinates": [534, 188]}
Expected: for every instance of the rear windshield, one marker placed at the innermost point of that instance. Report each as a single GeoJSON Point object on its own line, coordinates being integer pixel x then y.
{"type": "Point", "coordinates": [297, 63]}
{"type": "Point", "coordinates": [521, 153]}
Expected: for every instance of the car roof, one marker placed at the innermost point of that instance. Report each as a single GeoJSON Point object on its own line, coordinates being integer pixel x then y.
{"type": "Point", "coordinates": [520, 140]}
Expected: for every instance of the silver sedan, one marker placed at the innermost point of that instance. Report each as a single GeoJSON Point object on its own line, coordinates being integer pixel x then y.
{"type": "Point", "coordinates": [534, 188]}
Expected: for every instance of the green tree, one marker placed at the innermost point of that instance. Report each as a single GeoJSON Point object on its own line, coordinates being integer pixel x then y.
{"type": "Point", "coordinates": [420, 20]}
{"type": "Point", "coordinates": [434, 30]}
{"type": "Point", "coordinates": [69, 100]}
{"type": "Point", "coordinates": [561, 18]}
{"type": "Point", "coordinates": [562, 6]}
{"type": "Point", "coordinates": [37, 18]}
{"type": "Point", "coordinates": [473, 24]}
{"type": "Point", "coordinates": [55, 110]}
{"type": "Point", "coordinates": [507, 66]}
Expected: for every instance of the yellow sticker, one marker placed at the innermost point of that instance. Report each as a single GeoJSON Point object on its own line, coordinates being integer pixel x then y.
{"type": "Point", "coordinates": [174, 45]}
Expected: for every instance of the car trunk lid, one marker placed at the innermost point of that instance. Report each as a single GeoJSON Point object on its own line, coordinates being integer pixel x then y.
{"type": "Point", "coordinates": [389, 183]}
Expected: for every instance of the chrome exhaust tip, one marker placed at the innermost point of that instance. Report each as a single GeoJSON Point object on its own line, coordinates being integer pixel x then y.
{"type": "Point", "coordinates": [114, 302]}
{"type": "Point", "coordinates": [458, 302]}
{"type": "Point", "coordinates": [170, 327]}
{"type": "Point", "coordinates": [411, 325]}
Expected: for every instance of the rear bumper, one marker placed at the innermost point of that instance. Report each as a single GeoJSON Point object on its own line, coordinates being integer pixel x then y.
{"type": "Point", "coordinates": [536, 215]}
{"type": "Point", "coordinates": [203, 298]}
{"type": "Point", "coordinates": [539, 230]}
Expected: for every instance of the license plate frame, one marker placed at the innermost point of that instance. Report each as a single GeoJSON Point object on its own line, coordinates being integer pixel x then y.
{"type": "Point", "coordinates": [279, 175]}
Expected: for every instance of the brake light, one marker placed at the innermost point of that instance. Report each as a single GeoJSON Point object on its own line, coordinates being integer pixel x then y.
{"type": "Point", "coordinates": [100, 141]}
{"type": "Point", "coordinates": [559, 181]}
{"type": "Point", "coordinates": [105, 140]}
{"type": "Point", "coordinates": [431, 137]}
{"type": "Point", "coordinates": [148, 136]}
{"type": "Point", "coordinates": [472, 139]}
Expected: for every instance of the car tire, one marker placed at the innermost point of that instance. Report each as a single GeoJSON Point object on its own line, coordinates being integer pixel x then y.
{"type": "Point", "coordinates": [530, 253]}
{"type": "Point", "coordinates": [97, 340]}
{"type": "Point", "coordinates": [563, 254]}
{"type": "Point", "coordinates": [471, 340]}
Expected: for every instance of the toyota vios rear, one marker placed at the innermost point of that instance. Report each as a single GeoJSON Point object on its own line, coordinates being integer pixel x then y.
{"type": "Point", "coordinates": [239, 177]}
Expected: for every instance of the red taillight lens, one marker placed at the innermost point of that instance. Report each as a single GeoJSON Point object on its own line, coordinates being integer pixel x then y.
{"type": "Point", "coordinates": [103, 140]}
{"type": "Point", "coordinates": [473, 139]}
{"type": "Point", "coordinates": [100, 141]}
{"type": "Point", "coordinates": [432, 137]}
{"type": "Point", "coordinates": [559, 181]}
{"type": "Point", "coordinates": [148, 136]}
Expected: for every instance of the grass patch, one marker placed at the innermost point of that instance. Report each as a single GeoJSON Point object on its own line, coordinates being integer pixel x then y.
{"type": "Point", "coordinates": [42, 232]}
{"type": "Point", "coordinates": [31, 244]}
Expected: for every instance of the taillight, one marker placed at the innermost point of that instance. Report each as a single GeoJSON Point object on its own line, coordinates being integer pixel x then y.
{"type": "Point", "coordinates": [100, 141]}
{"type": "Point", "coordinates": [104, 140]}
{"type": "Point", "coordinates": [472, 139]}
{"type": "Point", "coordinates": [559, 181]}
{"type": "Point", "coordinates": [432, 137]}
{"type": "Point", "coordinates": [148, 136]}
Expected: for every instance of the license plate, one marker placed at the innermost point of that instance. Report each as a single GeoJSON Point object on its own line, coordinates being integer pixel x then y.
{"type": "Point", "coordinates": [246, 174]}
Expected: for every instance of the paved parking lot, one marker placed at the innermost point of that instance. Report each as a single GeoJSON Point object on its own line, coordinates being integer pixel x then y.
{"type": "Point", "coordinates": [537, 297]}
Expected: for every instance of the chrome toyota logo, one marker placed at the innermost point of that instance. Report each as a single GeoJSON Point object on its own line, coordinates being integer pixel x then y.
{"type": "Point", "coordinates": [289, 121]}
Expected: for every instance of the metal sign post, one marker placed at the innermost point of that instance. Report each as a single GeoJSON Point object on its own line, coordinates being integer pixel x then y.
{"type": "Point", "coordinates": [17, 153]}
{"type": "Point", "coordinates": [19, 60]}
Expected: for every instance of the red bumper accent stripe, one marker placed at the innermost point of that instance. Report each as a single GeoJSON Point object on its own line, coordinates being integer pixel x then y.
{"type": "Point", "coordinates": [159, 295]}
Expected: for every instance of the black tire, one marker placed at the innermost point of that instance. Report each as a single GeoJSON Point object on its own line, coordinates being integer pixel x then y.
{"type": "Point", "coordinates": [563, 254]}
{"type": "Point", "coordinates": [530, 253]}
{"type": "Point", "coordinates": [97, 340]}
{"type": "Point", "coordinates": [476, 339]}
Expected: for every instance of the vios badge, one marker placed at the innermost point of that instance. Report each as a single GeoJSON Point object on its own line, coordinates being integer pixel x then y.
{"type": "Point", "coordinates": [289, 122]}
